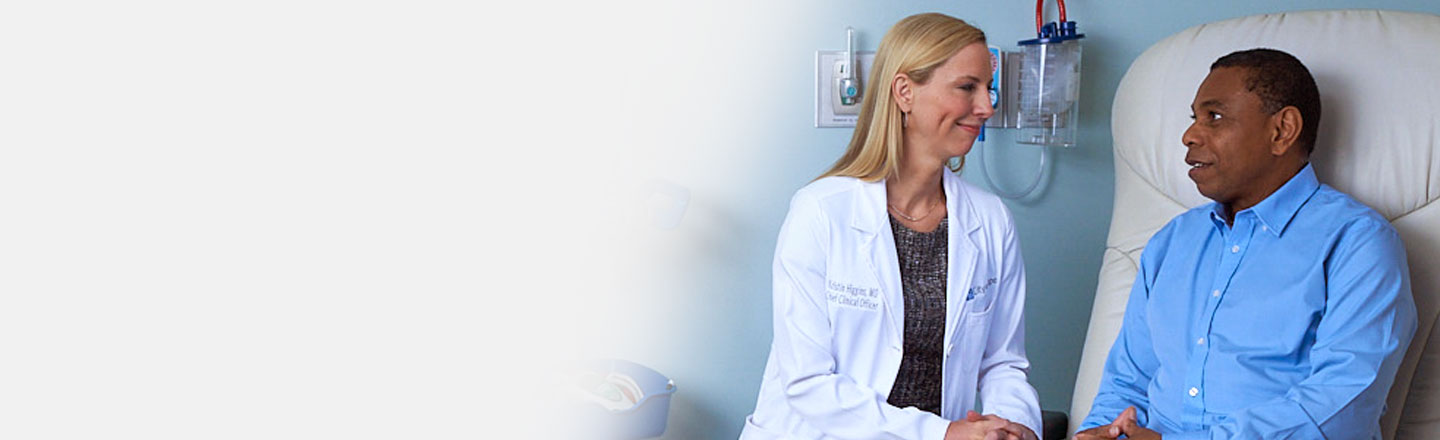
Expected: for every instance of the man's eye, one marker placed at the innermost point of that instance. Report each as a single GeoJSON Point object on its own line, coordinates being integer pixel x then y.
{"type": "Point", "coordinates": [1215, 116]}
{"type": "Point", "coordinates": [967, 87]}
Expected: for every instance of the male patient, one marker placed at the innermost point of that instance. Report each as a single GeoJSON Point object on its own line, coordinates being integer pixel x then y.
{"type": "Point", "coordinates": [1283, 309]}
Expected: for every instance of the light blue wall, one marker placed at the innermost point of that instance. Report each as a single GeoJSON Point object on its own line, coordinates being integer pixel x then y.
{"type": "Point", "coordinates": [712, 274]}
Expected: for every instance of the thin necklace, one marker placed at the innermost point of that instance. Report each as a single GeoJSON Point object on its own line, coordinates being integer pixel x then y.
{"type": "Point", "coordinates": [917, 218]}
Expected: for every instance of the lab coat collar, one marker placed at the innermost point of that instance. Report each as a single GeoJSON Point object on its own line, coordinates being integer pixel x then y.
{"type": "Point", "coordinates": [863, 216]}
{"type": "Point", "coordinates": [871, 216]}
{"type": "Point", "coordinates": [962, 253]}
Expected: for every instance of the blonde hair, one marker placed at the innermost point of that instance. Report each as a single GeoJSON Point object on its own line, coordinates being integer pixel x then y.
{"type": "Point", "coordinates": [915, 46]}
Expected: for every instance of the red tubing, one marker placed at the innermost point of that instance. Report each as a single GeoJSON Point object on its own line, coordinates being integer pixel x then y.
{"type": "Point", "coordinates": [1039, 15]}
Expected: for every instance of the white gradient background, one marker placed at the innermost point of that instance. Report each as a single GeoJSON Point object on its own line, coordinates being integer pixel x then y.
{"type": "Point", "coordinates": [316, 219]}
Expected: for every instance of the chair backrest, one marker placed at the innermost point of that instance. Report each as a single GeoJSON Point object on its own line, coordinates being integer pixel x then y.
{"type": "Point", "coordinates": [1379, 79]}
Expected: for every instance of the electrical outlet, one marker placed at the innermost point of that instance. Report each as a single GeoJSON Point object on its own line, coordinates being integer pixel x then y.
{"type": "Point", "coordinates": [829, 111]}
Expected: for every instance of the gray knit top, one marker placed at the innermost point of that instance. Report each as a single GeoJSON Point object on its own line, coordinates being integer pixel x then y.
{"type": "Point", "coordinates": [922, 278]}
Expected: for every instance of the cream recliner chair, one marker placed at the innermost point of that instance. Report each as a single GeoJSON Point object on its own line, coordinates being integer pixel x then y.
{"type": "Point", "coordinates": [1379, 79]}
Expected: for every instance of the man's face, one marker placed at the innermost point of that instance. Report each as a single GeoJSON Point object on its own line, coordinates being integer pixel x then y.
{"type": "Point", "coordinates": [1230, 141]}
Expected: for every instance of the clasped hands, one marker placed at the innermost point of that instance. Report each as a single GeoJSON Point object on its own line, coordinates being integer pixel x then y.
{"type": "Point", "coordinates": [1126, 424]}
{"type": "Point", "coordinates": [987, 427]}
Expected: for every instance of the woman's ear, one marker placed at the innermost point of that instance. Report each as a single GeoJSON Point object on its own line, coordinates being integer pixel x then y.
{"type": "Point", "coordinates": [903, 91]}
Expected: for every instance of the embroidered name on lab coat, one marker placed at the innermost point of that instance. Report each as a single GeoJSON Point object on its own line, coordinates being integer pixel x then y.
{"type": "Point", "coordinates": [848, 295]}
{"type": "Point", "coordinates": [980, 290]}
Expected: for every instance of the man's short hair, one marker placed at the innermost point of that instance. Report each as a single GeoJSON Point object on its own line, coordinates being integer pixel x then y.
{"type": "Point", "coordinates": [1280, 80]}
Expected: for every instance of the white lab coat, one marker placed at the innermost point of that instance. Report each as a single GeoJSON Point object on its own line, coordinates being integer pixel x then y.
{"type": "Point", "coordinates": [839, 318]}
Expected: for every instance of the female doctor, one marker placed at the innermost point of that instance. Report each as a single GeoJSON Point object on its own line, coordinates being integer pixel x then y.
{"type": "Point", "coordinates": [898, 287]}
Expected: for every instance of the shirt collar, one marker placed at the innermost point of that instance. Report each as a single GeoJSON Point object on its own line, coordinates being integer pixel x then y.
{"type": "Point", "coordinates": [1276, 211]}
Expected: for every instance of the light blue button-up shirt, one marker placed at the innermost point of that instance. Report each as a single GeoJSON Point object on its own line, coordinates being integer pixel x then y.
{"type": "Point", "coordinates": [1290, 323]}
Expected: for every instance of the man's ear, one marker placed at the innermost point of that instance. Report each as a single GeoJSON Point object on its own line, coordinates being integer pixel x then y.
{"type": "Point", "coordinates": [1285, 130]}
{"type": "Point", "coordinates": [903, 91]}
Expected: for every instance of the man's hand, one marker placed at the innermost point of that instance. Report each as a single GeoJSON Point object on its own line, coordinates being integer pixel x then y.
{"type": "Point", "coordinates": [988, 427]}
{"type": "Point", "coordinates": [1102, 432]}
{"type": "Point", "coordinates": [1127, 423]}
{"type": "Point", "coordinates": [1130, 426]}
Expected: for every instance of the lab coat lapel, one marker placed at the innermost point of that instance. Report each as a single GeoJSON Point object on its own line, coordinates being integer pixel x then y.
{"type": "Point", "coordinates": [870, 216]}
{"type": "Point", "coordinates": [962, 253]}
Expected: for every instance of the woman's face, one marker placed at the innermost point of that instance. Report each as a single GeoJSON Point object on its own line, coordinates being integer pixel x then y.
{"type": "Point", "coordinates": [946, 112]}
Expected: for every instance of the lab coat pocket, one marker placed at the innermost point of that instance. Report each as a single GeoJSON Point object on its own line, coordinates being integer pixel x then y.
{"type": "Point", "coordinates": [971, 336]}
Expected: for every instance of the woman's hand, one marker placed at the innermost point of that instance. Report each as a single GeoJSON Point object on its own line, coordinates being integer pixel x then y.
{"type": "Point", "coordinates": [1019, 432]}
{"type": "Point", "coordinates": [987, 427]}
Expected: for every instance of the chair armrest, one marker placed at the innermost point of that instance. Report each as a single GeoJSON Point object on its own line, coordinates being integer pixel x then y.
{"type": "Point", "coordinates": [1056, 422]}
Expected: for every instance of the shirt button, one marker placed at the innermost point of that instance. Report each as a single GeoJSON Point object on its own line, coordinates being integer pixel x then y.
{"type": "Point", "coordinates": [1194, 391]}
{"type": "Point", "coordinates": [1201, 341]}
{"type": "Point", "coordinates": [1264, 228]}
{"type": "Point", "coordinates": [1235, 248]}
{"type": "Point", "coordinates": [1216, 293]}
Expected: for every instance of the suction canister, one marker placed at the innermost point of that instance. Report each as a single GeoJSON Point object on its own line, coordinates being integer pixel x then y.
{"type": "Point", "coordinates": [1050, 86]}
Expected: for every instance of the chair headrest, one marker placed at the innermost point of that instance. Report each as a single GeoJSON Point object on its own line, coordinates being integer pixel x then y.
{"type": "Point", "coordinates": [1380, 98]}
